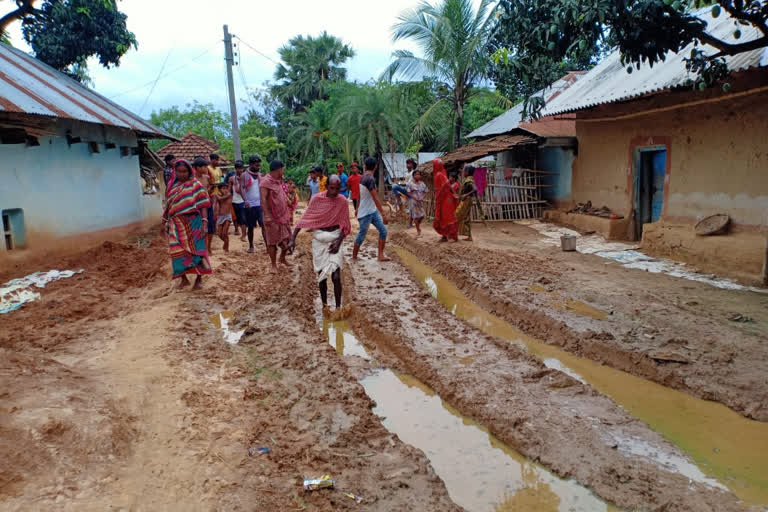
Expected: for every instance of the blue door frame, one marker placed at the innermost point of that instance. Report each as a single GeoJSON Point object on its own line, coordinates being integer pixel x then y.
{"type": "Point", "coordinates": [650, 167]}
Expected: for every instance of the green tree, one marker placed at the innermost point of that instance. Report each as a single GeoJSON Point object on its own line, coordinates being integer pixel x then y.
{"type": "Point", "coordinates": [543, 32]}
{"type": "Point", "coordinates": [64, 33]}
{"type": "Point", "coordinates": [374, 120]}
{"type": "Point", "coordinates": [202, 119]}
{"type": "Point", "coordinates": [481, 108]}
{"type": "Point", "coordinates": [453, 37]}
{"type": "Point", "coordinates": [256, 138]}
{"type": "Point", "coordinates": [313, 131]}
{"type": "Point", "coordinates": [309, 65]}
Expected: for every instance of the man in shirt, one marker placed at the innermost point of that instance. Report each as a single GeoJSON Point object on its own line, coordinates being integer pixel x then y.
{"type": "Point", "coordinates": [322, 179]}
{"type": "Point", "coordinates": [238, 204]}
{"type": "Point", "coordinates": [370, 211]}
{"type": "Point", "coordinates": [250, 191]}
{"type": "Point", "coordinates": [313, 183]}
{"type": "Point", "coordinates": [216, 173]}
{"type": "Point", "coordinates": [353, 184]}
{"type": "Point", "coordinates": [343, 178]}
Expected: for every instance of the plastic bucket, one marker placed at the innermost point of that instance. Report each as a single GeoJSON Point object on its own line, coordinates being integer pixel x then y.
{"type": "Point", "coordinates": [568, 242]}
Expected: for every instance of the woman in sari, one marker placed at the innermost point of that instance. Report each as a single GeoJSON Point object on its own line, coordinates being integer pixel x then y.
{"type": "Point", "coordinates": [467, 196]}
{"type": "Point", "coordinates": [186, 214]}
{"type": "Point", "coordinates": [445, 203]}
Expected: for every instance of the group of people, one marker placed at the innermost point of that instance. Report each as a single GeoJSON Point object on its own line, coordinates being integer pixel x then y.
{"type": "Point", "coordinates": [201, 202]}
{"type": "Point", "coordinates": [453, 202]}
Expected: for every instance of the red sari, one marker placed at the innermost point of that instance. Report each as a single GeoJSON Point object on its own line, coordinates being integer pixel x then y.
{"type": "Point", "coordinates": [445, 223]}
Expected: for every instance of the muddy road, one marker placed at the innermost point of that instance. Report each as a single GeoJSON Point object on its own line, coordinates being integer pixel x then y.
{"type": "Point", "coordinates": [497, 378]}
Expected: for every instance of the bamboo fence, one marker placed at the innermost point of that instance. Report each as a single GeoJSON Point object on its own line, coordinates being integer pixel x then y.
{"type": "Point", "coordinates": [509, 194]}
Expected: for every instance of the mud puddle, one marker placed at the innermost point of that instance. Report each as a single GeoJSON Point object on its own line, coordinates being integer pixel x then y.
{"type": "Point", "coordinates": [724, 445]}
{"type": "Point", "coordinates": [480, 472]}
{"type": "Point", "coordinates": [221, 321]}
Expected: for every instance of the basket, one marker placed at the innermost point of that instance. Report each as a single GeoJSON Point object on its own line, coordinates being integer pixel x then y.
{"type": "Point", "coordinates": [712, 225]}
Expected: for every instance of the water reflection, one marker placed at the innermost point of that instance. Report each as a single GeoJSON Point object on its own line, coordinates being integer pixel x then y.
{"type": "Point", "coordinates": [724, 444]}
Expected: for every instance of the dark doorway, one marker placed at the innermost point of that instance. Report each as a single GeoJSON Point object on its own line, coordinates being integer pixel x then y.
{"type": "Point", "coordinates": [650, 170]}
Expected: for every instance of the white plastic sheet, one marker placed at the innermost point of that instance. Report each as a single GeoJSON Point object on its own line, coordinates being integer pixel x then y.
{"type": "Point", "coordinates": [17, 292]}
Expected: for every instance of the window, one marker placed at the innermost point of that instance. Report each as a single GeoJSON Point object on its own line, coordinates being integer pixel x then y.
{"type": "Point", "coordinates": [14, 235]}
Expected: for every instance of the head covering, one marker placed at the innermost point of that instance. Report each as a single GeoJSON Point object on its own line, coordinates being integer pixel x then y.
{"type": "Point", "coordinates": [279, 206]}
{"type": "Point", "coordinates": [324, 212]}
{"type": "Point", "coordinates": [439, 178]}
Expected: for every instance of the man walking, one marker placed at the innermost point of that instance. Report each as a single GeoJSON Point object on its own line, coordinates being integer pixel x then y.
{"type": "Point", "coordinates": [313, 183]}
{"type": "Point", "coordinates": [353, 183]}
{"type": "Point", "coordinates": [370, 211]}
{"type": "Point", "coordinates": [328, 216]}
{"type": "Point", "coordinates": [277, 215]}
{"type": "Point", "coordinates": [251, 193]}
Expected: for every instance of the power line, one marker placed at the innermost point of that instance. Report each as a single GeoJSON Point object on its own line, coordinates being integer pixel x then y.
{"type": "Point", "coordinates": [257, 51]}
{"type": "Point", "coordinates": [178, 68]}
{"type": "Point", "coordinates": [170, 50]}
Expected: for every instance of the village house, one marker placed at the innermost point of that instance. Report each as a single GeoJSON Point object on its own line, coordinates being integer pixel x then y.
{"type": "Point", "coordinates": [662, 155]}
{"type": "Point", "coordinates": [190, 146]}
{"type": "Point", "coordinates": [71, 165]}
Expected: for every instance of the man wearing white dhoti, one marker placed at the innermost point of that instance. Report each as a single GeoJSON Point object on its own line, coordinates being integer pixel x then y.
{"type": "Point", "coordinates": [328, 216]}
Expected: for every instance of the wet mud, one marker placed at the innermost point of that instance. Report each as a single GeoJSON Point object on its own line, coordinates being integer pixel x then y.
{"type": "Point", "coordinates": [480, 472]}
{"type": "Point", "coordinates": [541, 412]}
{"type": "Point", "coordinates": [668, 330]}
{"type": "Point", "coordinates": [725, 445]}
{"type": "Point", "coordinates": [135, 400]}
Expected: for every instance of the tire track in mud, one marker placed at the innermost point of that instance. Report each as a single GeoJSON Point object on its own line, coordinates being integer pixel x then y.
{"type": "Point", "coordinates": [543, 413]}
{"type": "Point", "coordinates": [481, 285]}
{"type": "Point", "coordinates": [149, 408]}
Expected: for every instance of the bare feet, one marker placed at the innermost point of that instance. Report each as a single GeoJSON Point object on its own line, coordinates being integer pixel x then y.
{"type": "Point", "coordinates": [384, 258]}
{"type": "Point", "coordinates": [251, 250]}
{"type": "Point", "coordinates": [184, 282]}
{"type": "Point", "coordinates": [198, 283]}
{"type": "Point", "coordinates": [468, 239]}
{"type": "Point", "coordinates": [273, 269]}
{"type": "Point", "coordinates": [444, 239]}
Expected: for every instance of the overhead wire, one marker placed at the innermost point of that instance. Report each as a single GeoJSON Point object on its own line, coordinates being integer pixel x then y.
{"type": "Point", "coordinates": [154, 84]}
{"type": "Point", "coordinates": [169, 72]}
{"type": "Point", "coordinates": [258, 51]}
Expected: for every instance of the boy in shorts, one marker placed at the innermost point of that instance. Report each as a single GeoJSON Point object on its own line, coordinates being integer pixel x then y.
{"type": "Point", "coordinates": [223, 207]}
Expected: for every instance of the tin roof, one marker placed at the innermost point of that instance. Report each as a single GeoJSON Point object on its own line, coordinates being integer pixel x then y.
{"type": "Point", "coordinates": [190, 146]}
{"type": "Point", "coordinates": [29, 86]}
{"type": "Point", "coordinates": [477, 150]}
{"type": "Point", "coordinates": [512, 118]}
{"type": "Point", "coordinates": [609, 81]}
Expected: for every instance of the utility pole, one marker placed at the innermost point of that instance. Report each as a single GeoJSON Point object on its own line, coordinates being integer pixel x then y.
{"type": "Point", "coordinates": [229, 57]}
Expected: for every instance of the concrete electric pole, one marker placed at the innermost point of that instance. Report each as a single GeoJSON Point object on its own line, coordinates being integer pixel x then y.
{"type": "Point", "coordinates": [229, 57]}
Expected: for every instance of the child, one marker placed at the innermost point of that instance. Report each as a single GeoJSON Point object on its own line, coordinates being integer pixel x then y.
{"type": "Point", "coordinates": [223, 214]}
{"type": "Point", "coordinates": [292, 196]}
{"type": "Point", "coordinates": [417, 190]}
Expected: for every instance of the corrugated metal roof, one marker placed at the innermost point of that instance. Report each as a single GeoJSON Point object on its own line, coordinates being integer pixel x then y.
{"type": "Point", "coordinates": [29, 86]}
{"type": "Point", "coordinates": [510, 119]}
{"type": "Point", "coordinates": [477, 150]}
{"type": "Point", "coordinates": [609, 81]}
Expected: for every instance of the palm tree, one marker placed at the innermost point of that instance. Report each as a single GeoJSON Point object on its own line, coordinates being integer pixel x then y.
{"type": "Point", "coordinates": [374, 120]}
{"type": "Point", "coordinates": [309, 65]}
{"type": "Point", "coordinates": [314, 130]}
{"type": "Point", "coordinates": [453, 38]}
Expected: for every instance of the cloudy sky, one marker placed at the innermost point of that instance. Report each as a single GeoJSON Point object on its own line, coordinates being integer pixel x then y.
{"type": "Point", "coordinates": [188, 33]}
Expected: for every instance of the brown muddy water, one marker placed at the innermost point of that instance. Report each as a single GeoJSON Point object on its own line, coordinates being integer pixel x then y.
{"type": "Point", "coordinates": [725, 445]}
{"type": "Point", "coordinates": [481, 473]}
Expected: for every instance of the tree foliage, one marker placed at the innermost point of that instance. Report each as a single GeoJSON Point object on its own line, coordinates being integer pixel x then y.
{"type": "Point", "coordinates": [453, 37]}
{"type": "Point", "coordinates": [309, 65]}
{"type": "Point", "coordinates": [64, 33]}
{"type": "Point", "coordinates": [543, 32]}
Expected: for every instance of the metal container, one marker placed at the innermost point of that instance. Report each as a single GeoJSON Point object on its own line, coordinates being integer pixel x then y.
{"type": "Point", "coordinates": [568, 242]}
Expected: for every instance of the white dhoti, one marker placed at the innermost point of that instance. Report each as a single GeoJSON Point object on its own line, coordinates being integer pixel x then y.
{"type": "Point", "coordinates": [324, 262]}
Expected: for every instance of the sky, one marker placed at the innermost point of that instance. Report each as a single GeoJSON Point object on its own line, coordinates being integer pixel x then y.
{"type": "Point", "coordinates": [184, 40]}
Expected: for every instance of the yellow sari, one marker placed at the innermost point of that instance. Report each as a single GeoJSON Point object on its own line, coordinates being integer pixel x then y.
{"type": "Point", "coordinates": [464, 210]}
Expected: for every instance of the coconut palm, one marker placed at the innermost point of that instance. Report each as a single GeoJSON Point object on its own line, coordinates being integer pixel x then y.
{"type": "Point", "coordinates": [309, 65]}
{"type": "Point", "coordinates": [314, 130]}
{"type": "Point", "coordinates": [374, 120]}
{"type": "Point", "coordinates": [453, 38]}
